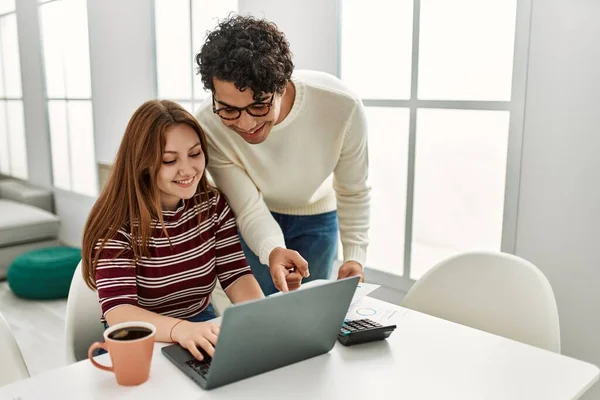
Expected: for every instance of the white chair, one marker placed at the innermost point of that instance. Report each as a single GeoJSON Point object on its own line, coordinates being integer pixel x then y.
{"type": "Point", "coordinates": [219, 300]}
{"type": "Point", "coordinates": [12, 366]}
{"type": "Point", "coordinates": [495, 292]}
{"type": "Point", "coordinates": [82, 323]}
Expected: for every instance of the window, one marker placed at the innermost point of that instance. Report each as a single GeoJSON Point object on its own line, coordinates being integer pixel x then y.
{"type": "Point", "coordinates": [13, 149]}
{"type": "Point", "coordinates": [180, 31]}
{"type": "Point", "coordinates": [65, 45]}
{"type": "Point", "coordinates": [435, 77]}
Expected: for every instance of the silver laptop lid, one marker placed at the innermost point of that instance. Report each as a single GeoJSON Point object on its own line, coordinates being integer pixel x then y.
{"type": "Point", "coordinates": [266, 334]}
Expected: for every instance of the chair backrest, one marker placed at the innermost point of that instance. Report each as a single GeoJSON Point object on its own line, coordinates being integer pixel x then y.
{"type": "Point", "coordinates": [219, 300]}
{"type": "Point", "coordinates": [12, 366]}
{"type": "Point", "coordinates": [495, 292]}
{"type": "Point", "coordinates": [82, 322]}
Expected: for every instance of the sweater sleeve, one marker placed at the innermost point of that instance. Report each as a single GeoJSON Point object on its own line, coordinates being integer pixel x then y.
{"type": "Point", "coordinates": [352, 188]}
{"type": "Point", "coordinates": [257, 226]}
{"type": "Point", "coordinates": [230, 260]}
{"type": "Point", "coordinates": [116, 274]}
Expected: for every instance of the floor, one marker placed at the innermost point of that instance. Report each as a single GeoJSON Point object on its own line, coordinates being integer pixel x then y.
{"type": "Point", "coordinates": [38, 327]}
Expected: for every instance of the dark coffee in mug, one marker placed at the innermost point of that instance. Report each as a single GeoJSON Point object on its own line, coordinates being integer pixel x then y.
{"type": "Point", "coordinates": [130, 346]}
{"type": "Point", "coordinates": [130, 333]}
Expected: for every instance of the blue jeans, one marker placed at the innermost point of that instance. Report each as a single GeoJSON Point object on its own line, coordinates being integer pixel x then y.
{"type": "Point", "coordinates": [315, 237]}
{"type": "Point", "coordinates": [207, 314]}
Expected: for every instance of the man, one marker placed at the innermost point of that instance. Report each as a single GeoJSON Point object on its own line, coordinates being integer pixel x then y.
{"type": "Point", "coordinates": [288, 151]}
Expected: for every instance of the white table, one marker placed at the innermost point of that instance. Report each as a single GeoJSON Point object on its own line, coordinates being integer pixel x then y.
{"type": "Point", "coordinates": [425, 358]}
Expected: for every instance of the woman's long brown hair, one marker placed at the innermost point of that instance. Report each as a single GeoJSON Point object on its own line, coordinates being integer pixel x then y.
{"type": "Point", "coordinates": [131, 196]}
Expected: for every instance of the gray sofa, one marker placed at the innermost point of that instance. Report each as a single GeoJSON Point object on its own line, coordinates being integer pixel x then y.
{"type": "Point", "coordinates": [26, 220]}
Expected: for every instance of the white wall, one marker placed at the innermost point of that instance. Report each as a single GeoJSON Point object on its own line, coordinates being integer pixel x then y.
{"type": "Point", "coordinates": [123, 67]}
{"type": "Point", "coordinates": [559, 208]}
{"type": "Point", "coordinates": [311, 27]}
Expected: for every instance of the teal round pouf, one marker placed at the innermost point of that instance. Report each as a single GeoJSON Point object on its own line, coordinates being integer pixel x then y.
{"type": "Point", "coordinates": [43, 274]}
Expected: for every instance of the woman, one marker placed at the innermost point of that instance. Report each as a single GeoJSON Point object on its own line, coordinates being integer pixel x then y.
{"type": "Point", "coordinates": [159, 236]}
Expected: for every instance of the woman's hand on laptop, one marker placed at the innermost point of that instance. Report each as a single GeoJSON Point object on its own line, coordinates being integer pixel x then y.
{"type": "Point", "coordinates": [287, 269]}
{"type": "Point", "coordinates": [191, 335]}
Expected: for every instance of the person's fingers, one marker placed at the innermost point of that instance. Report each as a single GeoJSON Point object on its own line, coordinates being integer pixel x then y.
{"type": "Point", "coordinates": [293, 277]}
{"type": "Point", "coordinates": [215, 329]}
{"type": "Point", "coordinates": [211, 337]}
{"type": "Point", "coordinates": [294, 280]}
{"type": "Point", "coordinates": [342, 273]}
{"type": "Point", "coordinates": [300, 263]}
{"type": "Point", "coordinates": [191, 346]}
{"type": "Point", "coordinates": [279, 279]}
{"type": "Point", "coordinates": [206, 346]}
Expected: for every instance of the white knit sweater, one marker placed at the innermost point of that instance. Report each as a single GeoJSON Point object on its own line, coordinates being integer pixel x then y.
{"type": "Point", "coordinates": [313, 160]}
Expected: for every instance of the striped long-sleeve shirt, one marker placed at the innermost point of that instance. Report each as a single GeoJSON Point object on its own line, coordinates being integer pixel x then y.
{"type": "Point", "coordinates": [178, 277]}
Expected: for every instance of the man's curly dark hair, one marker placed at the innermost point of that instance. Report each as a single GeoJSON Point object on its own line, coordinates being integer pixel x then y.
{"type": "Point", "coordinates": [252, 53]}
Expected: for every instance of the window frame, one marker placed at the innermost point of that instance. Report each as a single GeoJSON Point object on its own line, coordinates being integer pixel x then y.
{"type": "Point", "coordinates": [67, 99]}
{"type": "Point", "coordinates": [515, 106]}
{"type": "Point", "coordinates": [193, 101]}
{"type": "Point", "coordinates": [5, 99]}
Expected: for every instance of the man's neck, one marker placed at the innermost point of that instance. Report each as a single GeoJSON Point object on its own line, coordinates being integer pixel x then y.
{"type": "Point", "coordinates": [287, 102]}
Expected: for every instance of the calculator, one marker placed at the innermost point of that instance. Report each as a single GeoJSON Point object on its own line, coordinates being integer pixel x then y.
{"type": "Point", "coordinates": [362, 331]}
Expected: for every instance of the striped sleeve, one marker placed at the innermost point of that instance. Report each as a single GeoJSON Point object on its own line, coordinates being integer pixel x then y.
{"type": "Point", "coordinates": [231, 261]}
{"type": "Point", "coordinates": [116, 274]}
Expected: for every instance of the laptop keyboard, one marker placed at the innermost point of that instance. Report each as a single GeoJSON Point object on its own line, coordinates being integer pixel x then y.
{"type": "Point", "coordinates": [201, 367]}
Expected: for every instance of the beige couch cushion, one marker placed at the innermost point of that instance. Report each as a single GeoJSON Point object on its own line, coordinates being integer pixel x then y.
{"type": "Point", "coordinates": [11, 189]}
{"type": "Point", "coordinates": [22, 223]}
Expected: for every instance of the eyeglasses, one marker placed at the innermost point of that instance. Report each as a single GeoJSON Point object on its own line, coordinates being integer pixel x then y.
{"type": "Point", "coordinates": [258, 109]}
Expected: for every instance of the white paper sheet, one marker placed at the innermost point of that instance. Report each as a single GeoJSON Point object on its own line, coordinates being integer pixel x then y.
{"type": "Point", "coordinates": [362, 290]}
{"type": "Point", "coordinates": [374, 310]}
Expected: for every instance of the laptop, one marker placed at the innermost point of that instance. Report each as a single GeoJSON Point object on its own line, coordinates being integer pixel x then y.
{"type": "Point", "coordinates": [262, 335]}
